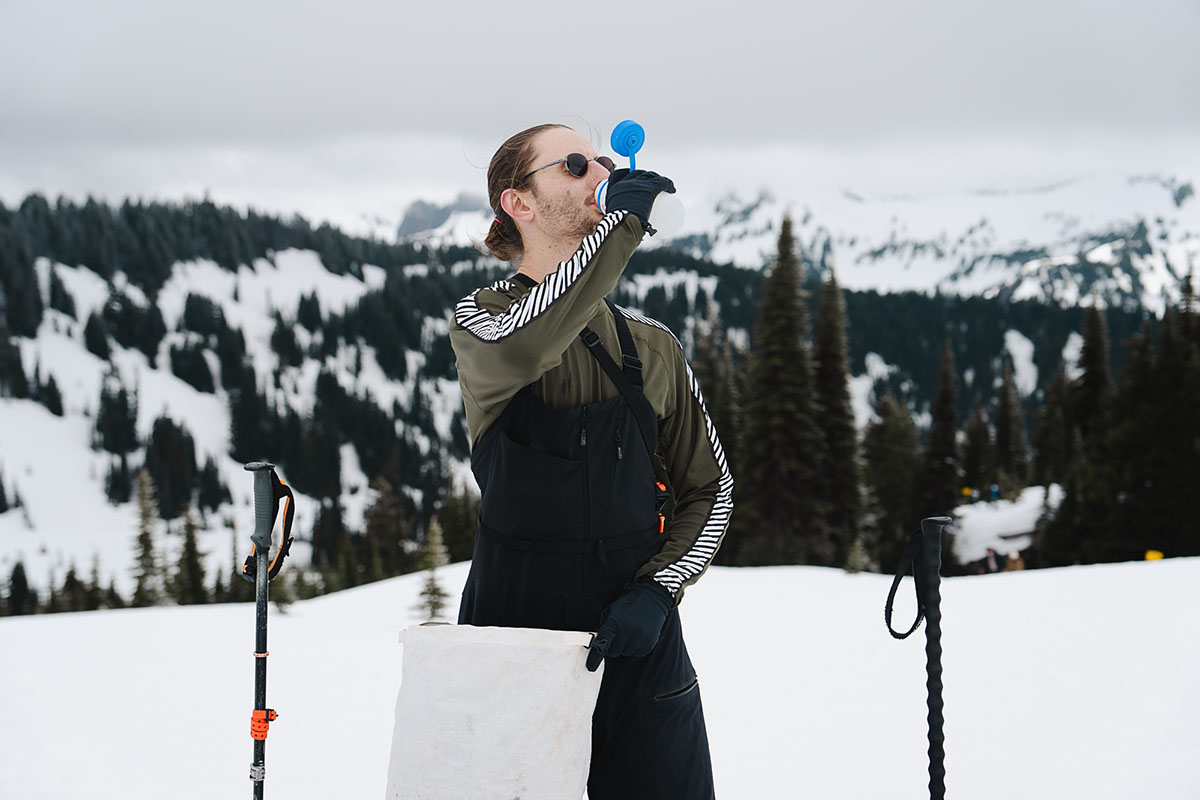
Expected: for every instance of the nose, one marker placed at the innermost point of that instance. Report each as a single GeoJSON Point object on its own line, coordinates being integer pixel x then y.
{"type": "Point", "coordinates": [596, 174]}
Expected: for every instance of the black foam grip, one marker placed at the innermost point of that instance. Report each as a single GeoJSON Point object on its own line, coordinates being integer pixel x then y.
{"type": "Point", "coordinates": [264, 509]}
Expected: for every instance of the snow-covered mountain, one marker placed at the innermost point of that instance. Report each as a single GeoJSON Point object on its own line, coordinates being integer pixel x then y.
{"type": "Point", "coordinates": [1128, 240]}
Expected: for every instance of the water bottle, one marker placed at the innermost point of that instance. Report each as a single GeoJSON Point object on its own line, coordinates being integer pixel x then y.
{"type": "Point", "coordinates": [666, 215]}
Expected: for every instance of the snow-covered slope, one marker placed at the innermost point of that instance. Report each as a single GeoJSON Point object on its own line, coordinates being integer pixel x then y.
{"type": "Point", "coordinates": [48, 461]}
{"type": "Point", "coordinates": [1062, 684]}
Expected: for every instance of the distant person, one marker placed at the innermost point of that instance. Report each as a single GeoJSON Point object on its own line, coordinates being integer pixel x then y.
{"type": "Point", "coordinates": [991, 564]}
{"type": "Point", "coordinates": [1014, 562]}
{"type": "Point", "coordinates": [582, 415]}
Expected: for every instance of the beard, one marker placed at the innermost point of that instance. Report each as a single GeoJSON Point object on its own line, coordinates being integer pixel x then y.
{"type": "Point", "coordinates": [565, 217]}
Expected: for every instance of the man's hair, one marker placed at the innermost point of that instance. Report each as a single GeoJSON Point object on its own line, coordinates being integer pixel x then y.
{"type": "Point", "coordinates": [509, 166]}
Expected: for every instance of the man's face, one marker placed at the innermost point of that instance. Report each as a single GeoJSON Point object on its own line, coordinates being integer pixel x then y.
{"type": "Point", "coordinates": [565, 205]}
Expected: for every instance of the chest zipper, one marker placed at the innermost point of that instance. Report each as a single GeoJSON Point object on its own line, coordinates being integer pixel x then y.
{"type": "Point", "coordinates": [583, 428]}
{"type": "Point", "coordinates": [620, 452]}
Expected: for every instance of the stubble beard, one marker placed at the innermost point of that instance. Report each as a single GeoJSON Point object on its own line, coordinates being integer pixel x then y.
{"type": "Point", "coordinates": [567, 218]}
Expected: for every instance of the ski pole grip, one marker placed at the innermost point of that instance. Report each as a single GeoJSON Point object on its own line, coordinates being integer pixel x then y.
{"type": "Point", "coordinates": [931, 548]}
{"type": "Point", "coordinates": [263, 501]}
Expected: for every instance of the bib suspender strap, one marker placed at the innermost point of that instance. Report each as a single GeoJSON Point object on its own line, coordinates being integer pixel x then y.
{"type": "Point", "coordinates": [628, 377]}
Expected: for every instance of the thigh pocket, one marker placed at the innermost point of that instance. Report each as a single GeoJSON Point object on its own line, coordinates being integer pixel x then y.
{"type": "Point", "coordinates": [685, 691]}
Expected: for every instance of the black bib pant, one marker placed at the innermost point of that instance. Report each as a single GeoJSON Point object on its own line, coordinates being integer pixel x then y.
{"type": "Point", "coordinates": [569, 513]}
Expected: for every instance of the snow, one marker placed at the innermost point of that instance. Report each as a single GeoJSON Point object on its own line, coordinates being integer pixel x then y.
{"type": "Point", "coordinates": [1072, 350]}
{"type": "Point", "coordinates": [1002, 525]}
{"type": "Point", "coordinates": [1064, 684]}
{"type": "Point", "coordinates": [862, 389]}
{"type": "Point", "coordinates": [1025, 373]}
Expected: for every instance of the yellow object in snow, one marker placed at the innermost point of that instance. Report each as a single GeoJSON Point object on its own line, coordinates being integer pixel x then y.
{"type": "Point", "coordinates": [1154, 555]}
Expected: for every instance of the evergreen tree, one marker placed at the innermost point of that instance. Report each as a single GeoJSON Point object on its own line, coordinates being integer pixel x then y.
{"type": "Point", "coordinates": [1091, 392]}
{"type": "Point", "coordinates": [841, 484]}
{"type": "Point", "coordinates": [189, 365]}
{"type": "Point", "coordinates": [95, 336]}
{"type": "Point", "coordinates": [433, 555]}
{"type": "Point", "coordinates": [387, 534]}
{"type": "Point", "coordinates": [212, 491]}
{"type": "Point", "coordinates": [73, 591]}
{"type": "Point", "coordinates": [714, 371]}
{"type": "Point", "coordinates": [113, 598]}
{"type": "Point", "coordinates": [978, 452]}
{"type": "Point", "coordinates": [22, 599]}
{"type": "Point", "coordinates": [3, 494]}
{"type": "Point", "coordinates": [308, 313]}
{"type": "Point", "coordinates": [329, 536]}
{"type": "Point", "coordinates": [459, 517]}
{"type": "Point", "coordinates": [116, 416]}
{"type": "Point", "coordinates": [284, 344]}
{"type": "Point", "coordinates": [13, 380]}
{"type": "Point", "coordinates": [1053, 434]}
{"type": "Point", "coordinates": [51, 397]}
{"type": "Point", "coordinates": [1011, 460]}
{"type": "Point", "coordinates": [940, 481]}
{"type": "Point", "coordinates": [780, 517]}
{"type": "Point", "coordinates": [188, 585]}
{"type": "Point", "coordinates": [171, 462]}
{"type": "Point", "coordinates": [891, 454]}
{"type": "Point", "coordinates": [92, 592]}
{"type": "Point", "coordinates": [118, 484]}
{"type": "Point", "coordinates": [148, 587]}
{"type": "Point", "coordinates": [60, 298]}
{"type": "Point", "coordinates": [240, 589]}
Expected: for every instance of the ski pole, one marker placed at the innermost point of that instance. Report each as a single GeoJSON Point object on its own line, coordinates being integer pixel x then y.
{"type": "Point", "coordinates": [924, 554]}
{"type": "Point", "coordinates": [268, 491]}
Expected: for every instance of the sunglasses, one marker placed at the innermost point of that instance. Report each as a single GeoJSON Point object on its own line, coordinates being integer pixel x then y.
{"type": "Point", "coordinates": [577, 165]}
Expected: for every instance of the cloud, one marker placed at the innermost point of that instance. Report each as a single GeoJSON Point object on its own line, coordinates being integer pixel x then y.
{"type": "Point", "coordinates": [301, 97]}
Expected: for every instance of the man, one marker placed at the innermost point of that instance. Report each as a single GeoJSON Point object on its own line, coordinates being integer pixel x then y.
{"type": "Point", "coordinates": [581, 416]}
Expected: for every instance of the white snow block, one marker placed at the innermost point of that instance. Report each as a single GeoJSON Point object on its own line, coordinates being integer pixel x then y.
{"type": "Point", "coordinates": [492, 713]}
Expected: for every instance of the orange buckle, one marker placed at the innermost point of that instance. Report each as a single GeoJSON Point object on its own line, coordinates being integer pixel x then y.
{"type": "Point", "coordinates": [662, 523]}
{"type": "Point", "coordinates": [260, 722]}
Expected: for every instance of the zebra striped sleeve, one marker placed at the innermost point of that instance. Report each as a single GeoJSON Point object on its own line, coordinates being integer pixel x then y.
{"type": "Point", "coordinates": [699, 554]}
{"type": "Point", "coordinates": [484, 325]}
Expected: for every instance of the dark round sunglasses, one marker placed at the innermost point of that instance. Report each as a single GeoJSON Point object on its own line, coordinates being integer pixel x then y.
{"type": "Point", "coordinates": [577, 165]}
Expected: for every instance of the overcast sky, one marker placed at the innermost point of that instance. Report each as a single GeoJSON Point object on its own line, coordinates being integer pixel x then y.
{"type": "Point", "coordinates": [340, 109]}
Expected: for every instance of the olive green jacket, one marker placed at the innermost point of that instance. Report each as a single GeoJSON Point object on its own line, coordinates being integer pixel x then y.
{"type": "Point", "coordinates": [511, 334]}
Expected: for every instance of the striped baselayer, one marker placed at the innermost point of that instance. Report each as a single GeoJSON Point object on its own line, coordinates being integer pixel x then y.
{"type": "Point", "coordinates": [697, 558]}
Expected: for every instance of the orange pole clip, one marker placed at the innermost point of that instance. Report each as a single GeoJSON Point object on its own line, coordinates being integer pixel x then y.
{"type": "Point", "coordinates": [260, 723]}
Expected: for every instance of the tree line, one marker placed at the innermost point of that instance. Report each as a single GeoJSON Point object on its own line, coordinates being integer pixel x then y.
{"type": "Point", "coordinates": [810, 490]}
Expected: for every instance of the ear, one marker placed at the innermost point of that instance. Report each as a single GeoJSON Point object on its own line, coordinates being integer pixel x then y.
{"type": "Point", "coordinates": [514, 204]}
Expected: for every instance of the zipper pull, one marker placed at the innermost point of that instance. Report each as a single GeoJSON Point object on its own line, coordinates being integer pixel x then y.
{"type": "Point", "coordinates": [583, 428]}
{"type": "Point", "coordinates": [620, 454]}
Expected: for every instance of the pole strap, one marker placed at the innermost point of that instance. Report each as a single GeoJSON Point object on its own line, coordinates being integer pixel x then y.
{"type": "Point", "coordinates": [279, 491]}
{"type": "Point", "coordinates": [924, 555]}
{"type": "Point", "coordinates": [911, 558]}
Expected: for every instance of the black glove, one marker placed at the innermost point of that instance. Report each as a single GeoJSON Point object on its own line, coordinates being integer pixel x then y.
{"type": "Point", "coordinates": [635, 192]}
{"type": "Point", "coordinates": [633, 623]}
